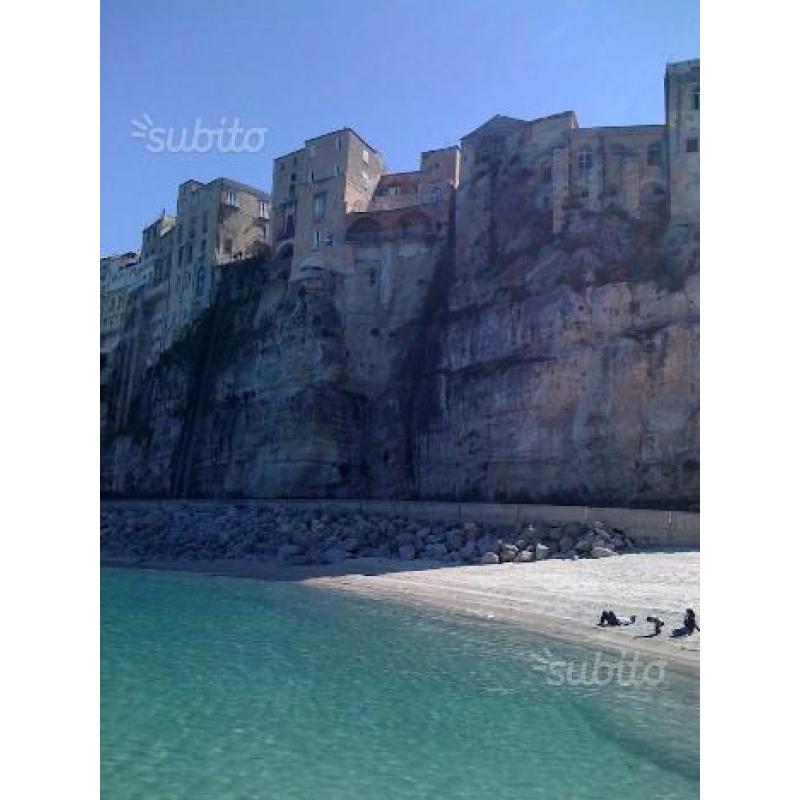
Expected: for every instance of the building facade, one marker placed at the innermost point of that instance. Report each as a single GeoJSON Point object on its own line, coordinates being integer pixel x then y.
{"type": "Point", "coordinates": [644, 170]}
{"type": "Point", "coordinates": [120, 275]}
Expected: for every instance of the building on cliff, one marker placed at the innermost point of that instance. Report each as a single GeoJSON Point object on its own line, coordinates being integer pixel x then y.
{"type": "Point", "coordinates": [217, 223]}
{"type": "Point", "coordinates": [642, 170]}
{"type": "Point", "coordinates": [335, 193]}
{"type": "Point", "coordinates": [120, 274]}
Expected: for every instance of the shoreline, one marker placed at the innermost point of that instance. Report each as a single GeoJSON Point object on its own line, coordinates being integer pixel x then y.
{"type": "Point", "coordinates": [558, 599]}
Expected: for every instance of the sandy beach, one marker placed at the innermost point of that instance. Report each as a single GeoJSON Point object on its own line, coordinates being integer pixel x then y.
{"type": "Point", "coordinates": [558, 598]}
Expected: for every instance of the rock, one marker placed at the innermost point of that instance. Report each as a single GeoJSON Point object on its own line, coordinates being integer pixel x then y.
{"type": "Point", "coordinates": [407, 552]}
{"type": "Point", "coordinates": [470, 528]}
{"type": "Point", "coordinates": [566, 543]}
{"type": "Point", "coordinates": [351, 544]}
{"type": "Point", "coordinates": [602, 552]}
{"type": "Point", "coordinates": [584, 545]}
{"type": "Point", "coordinates": [490, 558]}
{"type": "Point", "coordinates": [508, 552]}
{"type": "Point", "coordinates": [435, 550]}
{"type": "Point", "coordinates": [524, 556]}
{"type": "Point", "coordinates": [333, 555]}
{"type": "Point", "coordinates": [288, 551]}
{"type": "Point", "coordinates": [542, 551]}
{"type": "Point", "coordinates": [455, 539]}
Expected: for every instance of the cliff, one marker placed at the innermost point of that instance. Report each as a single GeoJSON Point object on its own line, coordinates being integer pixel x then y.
{"type": "Point", "coordinates": [490, 361]}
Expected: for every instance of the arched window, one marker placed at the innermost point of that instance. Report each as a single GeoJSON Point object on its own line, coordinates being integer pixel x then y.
{"type": "Point", "coordinates": [200, 280]}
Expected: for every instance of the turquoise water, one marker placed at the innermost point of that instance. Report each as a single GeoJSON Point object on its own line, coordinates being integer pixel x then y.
{"type": "Point", "coordinates": [227, 688]}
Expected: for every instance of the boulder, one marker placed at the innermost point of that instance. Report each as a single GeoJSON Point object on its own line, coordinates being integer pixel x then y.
{"type": "Point", "coordinates": [455, 539]}
{"type": "Point", "coordinates": [508, 552]}
{"type": "Point", "coordinates": [602, 552]}
{"type": "Point", "coordinates": [351, 544]}
{"type": "Point", "coordinates": [289, 551]}
{"type": "Point", "coordinates": [524, 556]}
{"type": "Point", "coordinates": [542, 551]}
{"type": "Point", "coordinates": [435, 550]}
{"type": "Point", "coordinates": [490, 558]}
{"type": "Point", "coordinates": [566, 543]}
{"type": "Point", "coordinates": [407, 552]}
{"type": "Point", "coordinates": [584, 545]}
{"type": "Point", "coordinates": [333, 555]}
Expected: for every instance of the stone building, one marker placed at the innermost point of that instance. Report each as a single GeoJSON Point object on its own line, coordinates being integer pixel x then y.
{"type": "Point", "coordinates": [120, 275]}
{"type": "Point", "coordinates": [643, 170]}
{"type": "Point", "coordinates": [682, 100]}
{"type": "Point", "coordinates": [216, 223]}
{"type": "Point", "coordinates": [313, 190]}
{"type": "Point", "coordinates": [335, 195]}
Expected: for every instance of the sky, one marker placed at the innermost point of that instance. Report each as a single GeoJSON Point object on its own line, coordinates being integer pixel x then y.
{"type": "Point", "coordinates": [407, 75]}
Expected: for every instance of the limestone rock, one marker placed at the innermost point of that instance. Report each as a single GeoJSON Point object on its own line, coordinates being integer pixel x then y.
{"type": "Point", "coordinates": [602, 552]}
{"type": "Point", "coordinates": [407, 552]}
{"type": "Point", "coordinates": [490, 558]}
{"type": "Point", "coordinates": [542, 552]}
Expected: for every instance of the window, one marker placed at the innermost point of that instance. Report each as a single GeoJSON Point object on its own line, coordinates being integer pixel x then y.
{"type": "Point", "coordinates": [311, 176]}
{"type": "Point", "coordinates": [693, 145]}
{"type": "Point", "coordinates": [372, 277]}
{"type": "Point", "coordinates": [189, 253]}
{"type": "Point", "coordinates": [231, 199]}
{"type": "Point", "coordinates": [654, 154]}
{"type": "Point", "coordinates": [200, 281]}
{"type": "Point", "coordinates": [312, 150]}
{"type": "Point", "coordinates": [205, 221]}
{"type": "Point", "coordinates": [289, 228]}
{"type": "Point", "coordinates": [339, 143]}
{"type": "Point", "coordinates": [180, 256]}
{"type": "Point", "coordinates": [228, 246]}
{"type": "Point", "coordinates": [695, 98]}
{"type": "Point", "coordinates": [337, 170]}
{"type": "Point", "coordinates": [546, 172]}
{"type": "Point", "coordinates": [317, 238]}
{"type": "Point", "coordinates": [585, 160]}
{"type": "Point", "coordinates": [263, 209]}
{"type": "Point", "coordinates": [319, 206]}
{"type": "Point", "coordinates": [365, 156]}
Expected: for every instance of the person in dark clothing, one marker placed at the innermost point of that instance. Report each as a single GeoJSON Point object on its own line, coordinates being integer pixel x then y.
{"type": "Point", "coordinates": [658, 624]}
{"type": "Point", "coordinates": [689, 625]}
{"type": "Point", "coordinates": [690, 622]}
{"type": "Point", "coordinates": [608, 618]}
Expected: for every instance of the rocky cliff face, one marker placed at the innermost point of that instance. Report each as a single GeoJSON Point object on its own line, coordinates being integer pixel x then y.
{"type": "Point", "coordinates": [492, 362]}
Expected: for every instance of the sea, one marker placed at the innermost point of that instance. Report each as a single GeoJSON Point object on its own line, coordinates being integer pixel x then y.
{"type": "Point", "coordinates": [230, 688]}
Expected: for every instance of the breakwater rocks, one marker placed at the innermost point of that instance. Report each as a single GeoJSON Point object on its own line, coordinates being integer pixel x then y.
{"type": "Point", "coordinates": [300, 537]}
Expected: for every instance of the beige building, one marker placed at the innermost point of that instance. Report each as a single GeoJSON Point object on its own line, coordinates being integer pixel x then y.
{"type": "Point", "coordinates": [644, 170]}
{"type": "Point", "coordinates": [217, 223]}
{"type": "Point", "coordinates": [313, 190]}
{"type": "Point", "coordinates": [120, 275]}
{"type": "Point", "coordinates": [335, 194]}
{"type": "Point", "coordinates": [682, 93]}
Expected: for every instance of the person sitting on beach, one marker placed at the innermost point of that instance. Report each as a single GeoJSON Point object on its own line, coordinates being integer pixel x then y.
{"type": "Point", "coordinates": [690, 622]}
{"type": "Point", "coordinates": [608, 618]}
{"type": "Point", "coordinates": [658, 624]}
{"type": "Point", "coordinates": [689, 625]}
{"type": "Point", "coordinates": [611, 619]}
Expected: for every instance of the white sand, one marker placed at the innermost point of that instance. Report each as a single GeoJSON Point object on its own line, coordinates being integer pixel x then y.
{"type": "Point", "coordinates": [558, 598]}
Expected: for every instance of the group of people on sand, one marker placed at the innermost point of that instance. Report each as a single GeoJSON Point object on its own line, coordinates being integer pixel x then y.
{"type": "Point", "coordinates": [610, 619]}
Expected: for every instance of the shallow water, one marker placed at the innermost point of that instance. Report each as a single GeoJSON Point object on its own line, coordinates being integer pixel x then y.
{"type": "Point", "coordinates": [223, 688]}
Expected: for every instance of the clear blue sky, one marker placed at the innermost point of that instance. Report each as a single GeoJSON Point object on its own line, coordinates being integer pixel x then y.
{"type": "Point", "coordinates": [408, 75]}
